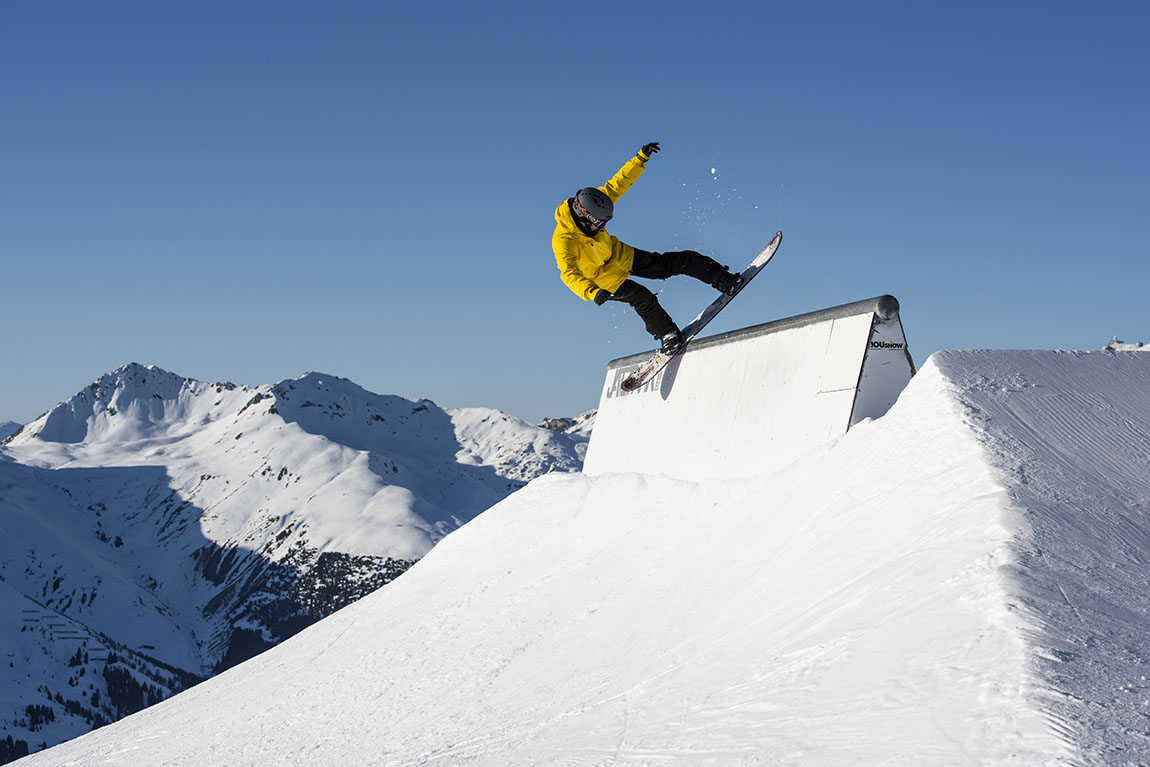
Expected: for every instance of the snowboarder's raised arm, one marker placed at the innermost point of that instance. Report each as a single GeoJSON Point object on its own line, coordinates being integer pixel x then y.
{"type": "Point", "coordinates": [630, 172]}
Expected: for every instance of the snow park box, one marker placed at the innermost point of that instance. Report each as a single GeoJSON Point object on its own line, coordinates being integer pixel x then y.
{"type": "Point", "coordinates": [751, 401]}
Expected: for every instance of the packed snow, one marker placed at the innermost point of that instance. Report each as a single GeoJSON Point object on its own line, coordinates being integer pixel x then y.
{"type": "Point", "coordinates": [961, 582]}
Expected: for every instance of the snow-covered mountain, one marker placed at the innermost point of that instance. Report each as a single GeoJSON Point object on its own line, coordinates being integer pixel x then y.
{"type": "Point", "coordinates": [155, 529]}
{"type": "Point", "coordinates": [960, 582]}
{"type": "Point", "coordinates": [7, 429]}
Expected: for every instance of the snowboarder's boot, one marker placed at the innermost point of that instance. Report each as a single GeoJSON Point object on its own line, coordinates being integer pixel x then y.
{"type": "Point", "coordinates": [672, 342]}
{"type": "Point", "coordinates": [726, 283]}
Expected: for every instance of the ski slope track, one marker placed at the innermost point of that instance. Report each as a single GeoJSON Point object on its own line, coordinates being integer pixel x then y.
{"type": "Point", "coordinates": [962, 581]}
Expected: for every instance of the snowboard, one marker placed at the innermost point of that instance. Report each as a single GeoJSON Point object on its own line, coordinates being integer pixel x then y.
{"type": "Point", "coordinates": [648, 369]}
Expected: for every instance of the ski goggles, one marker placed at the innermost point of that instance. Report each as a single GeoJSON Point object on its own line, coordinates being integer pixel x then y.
{"type": "Point", "coordinates": [593, 222]}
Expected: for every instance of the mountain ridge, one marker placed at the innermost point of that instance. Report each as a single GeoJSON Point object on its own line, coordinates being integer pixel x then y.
{"type": "Point", "coordinates": [176, 524]}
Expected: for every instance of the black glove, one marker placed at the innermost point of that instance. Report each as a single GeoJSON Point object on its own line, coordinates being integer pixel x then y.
{"type": "Point", "coordinates": [649, 149]}
{"type": "Point", "coordinates": [602, 297]}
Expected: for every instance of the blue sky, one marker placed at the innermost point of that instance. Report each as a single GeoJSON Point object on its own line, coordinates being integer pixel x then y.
{"type": "Point", "coordinates": [248, 191]}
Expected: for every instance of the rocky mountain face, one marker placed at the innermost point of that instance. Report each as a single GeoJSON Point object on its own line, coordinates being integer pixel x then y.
{"type": "Point", "coordinates": [155, 530]}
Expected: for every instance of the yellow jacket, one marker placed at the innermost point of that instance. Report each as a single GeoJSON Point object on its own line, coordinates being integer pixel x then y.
{"type": "Point", "coordinates": [588, 264]}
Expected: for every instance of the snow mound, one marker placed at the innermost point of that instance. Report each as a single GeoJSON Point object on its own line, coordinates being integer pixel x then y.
{"type": "Point", "coordinates": [1115, 346]}
{"type": "Point", "coordinates": [962, 581]}
{"type": "Point", "coordinates": [1068, 433]}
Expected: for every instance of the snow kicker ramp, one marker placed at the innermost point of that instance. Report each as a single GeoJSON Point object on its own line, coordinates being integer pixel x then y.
{"type": "Point", "coordinates": [751, 401]}
{"type": "Point", "coordinates": [960, 582]}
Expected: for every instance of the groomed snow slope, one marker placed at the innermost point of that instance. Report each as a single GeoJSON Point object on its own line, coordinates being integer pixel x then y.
{"type": "Point", "coordinates": [960, 582]}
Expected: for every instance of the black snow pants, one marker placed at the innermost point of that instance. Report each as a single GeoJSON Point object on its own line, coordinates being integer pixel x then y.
{"type": "Point", "coordinates": [660, 266]}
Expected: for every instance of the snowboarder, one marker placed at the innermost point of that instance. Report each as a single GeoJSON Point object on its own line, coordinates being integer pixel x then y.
{"type": "Point", "coordinates": [597, 265]}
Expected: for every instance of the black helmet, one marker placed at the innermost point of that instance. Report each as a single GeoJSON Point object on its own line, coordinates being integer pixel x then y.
{"type": "Point", "coordinates": [593, 206]}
